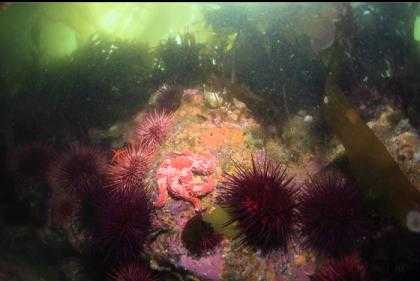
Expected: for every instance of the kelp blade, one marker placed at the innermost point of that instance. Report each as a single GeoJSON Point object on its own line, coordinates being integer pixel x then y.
{"type": "Point", "coordinates": [381, 179]}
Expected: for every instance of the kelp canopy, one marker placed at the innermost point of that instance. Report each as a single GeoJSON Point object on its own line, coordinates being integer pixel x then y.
{"type": "Point", "coordinates": [121, 54]}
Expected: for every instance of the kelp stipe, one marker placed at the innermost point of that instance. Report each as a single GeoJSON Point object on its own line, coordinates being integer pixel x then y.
{"type": "Point", "coordinates": [377, 173]}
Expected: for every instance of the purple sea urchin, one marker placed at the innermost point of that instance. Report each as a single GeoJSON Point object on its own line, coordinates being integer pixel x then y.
{"type": "Point", "coordinates": [199, 237]}
{"type": "Point", "coordinates": [346, 269]}
{"type": "Point", "coordinates": [262, 201]}
{"type": "Point", "coordinates": [167, 98]}
{"type": "Point", "coordinates": [79, 169]}
{"type": "Point", "coordinates": [121, 223]}
{"type": "Point", "coordinates": [87, 208]}
{"type": "Point", "coordinates": [132, 272]}
{"type": "Point", "coordinates": [153, 129]}
{"type": "Point", "coordinates": [330, 215]}
{"type": "Point", "coordinates": [129, 167]}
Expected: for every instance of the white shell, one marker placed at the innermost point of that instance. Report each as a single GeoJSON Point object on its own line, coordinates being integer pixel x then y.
{"type": "Point", "coordinates": [413, 221]}
{"type": "Point", "coordinates": [308, 119]}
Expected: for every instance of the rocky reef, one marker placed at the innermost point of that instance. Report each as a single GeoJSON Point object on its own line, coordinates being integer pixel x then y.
{"type": "Point", "coordinates": [232, 160]}
{"type": "Point", "coordinates": [182, 163]}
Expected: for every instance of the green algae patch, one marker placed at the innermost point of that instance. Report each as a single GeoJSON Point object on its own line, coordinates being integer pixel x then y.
{"type": "Point", "coordinates": [218, 218]}
{"type": "Point", "coordinates": [382, 181]}
{"type": "Point", "coordinates": [417, 29]}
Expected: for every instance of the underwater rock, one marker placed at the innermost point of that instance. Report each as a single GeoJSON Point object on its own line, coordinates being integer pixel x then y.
{"type": "Point", "coordinates": [400, 139]}
{"type": "Point", "coordinates": [384, 125]}
{"type": "Point", "coordinates": [405, 145]}
{"type": "Point", "coordinates": [405, 85]}
{"type": "Point", "coordinates": [366, 100]}
{"type": "Point", "coordinates": [260, 106]}
{"type": "Point", "coordinates": [213, 99]}
{"type": "Point", "coordinates": [241, 106]}
{"type": "Point", "coordinates": [299, 133]}
{"type": "Point", "coordinates": [208, 268]}
{"type": "Point", "coordinates": [195, 132]}
{"type": "Point", "coordinates": [405, 148]}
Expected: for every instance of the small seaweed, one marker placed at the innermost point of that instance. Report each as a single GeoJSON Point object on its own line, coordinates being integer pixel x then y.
{"type": "Point", "coordinates": [181, 60]}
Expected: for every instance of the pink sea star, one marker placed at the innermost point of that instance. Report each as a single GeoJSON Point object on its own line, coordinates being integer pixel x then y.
{"type": "Point", "coordinates": [177, 175]}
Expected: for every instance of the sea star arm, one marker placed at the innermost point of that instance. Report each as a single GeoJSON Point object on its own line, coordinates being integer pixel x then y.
{"type": "Point", "coordinates": [203, 189]}
{"type": "Point", "coordinates": [162, 193]}
{"type": "Point", "coordinates": [195, 201]}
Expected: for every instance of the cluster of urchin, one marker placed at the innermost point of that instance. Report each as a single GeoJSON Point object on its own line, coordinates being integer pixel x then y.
{"type": "Point", "coordinates": [114, 208]}
{"type": "Point", "coordinates": [325, 215]}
